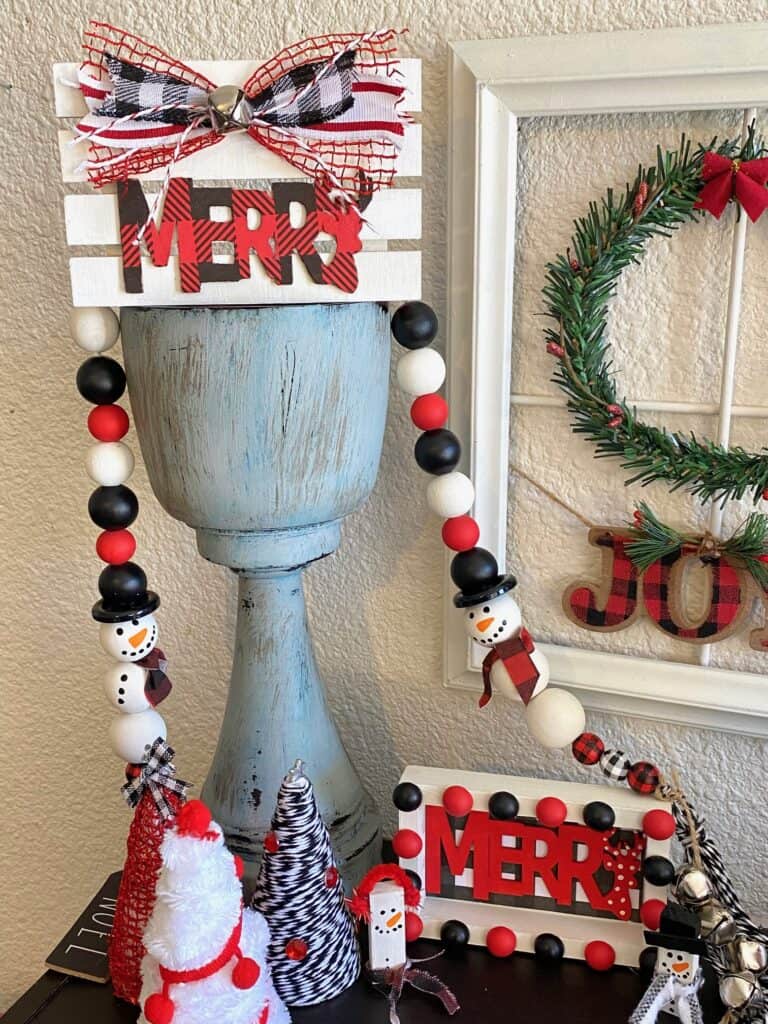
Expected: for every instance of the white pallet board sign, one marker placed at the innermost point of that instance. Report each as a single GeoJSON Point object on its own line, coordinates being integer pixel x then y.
{"type": "Point", "coordinates": [92, 218]}
{"type": "Point", "coordinates": [576, 923]}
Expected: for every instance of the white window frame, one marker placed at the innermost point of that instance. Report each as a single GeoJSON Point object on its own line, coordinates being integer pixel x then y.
{"type": "Point", "coordinates": [493, 83]}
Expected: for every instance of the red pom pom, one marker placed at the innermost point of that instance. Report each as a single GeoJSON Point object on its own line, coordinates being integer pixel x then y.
{"type": "Point", "coordinates": [271, 843]}
{"type": "Point", "coordinates": [650, 914]}
{"type": "Point", "coordinates": [159, 1009]}
{"type": "Point", "coordinates": [429, 412]}
{"type": "Point", "coordinates": [239, 866]}
{"type": "Point", "coordinates": [406, 843]}
{"type": "Point", "coordinates": [551, 811]}
{"type": "Point", "coordinates": [193, 819]}
{"type": "Point", "coordinates": [414, 926]}
{"type": "Point", "coordinates": [116, 546]}
{"type": "Point", "coordinates": [600, 956]}
{"type": "Point", "coordinates": [296, 949]}
{"type": "Point", "coordinates": [359, 906]}
{"type": "Point", "coordinates": [659, 824]}
{"type": "Point", "coordinates": [461, 533]}
{"type": "Point", "coordinates": [501, 941]}
{"type": "Point", "coordinates": [457, 801]}
{"type": "Point", "coordinates": [108, 422]}
{"type": "Point", "coordinates": [245, 973]}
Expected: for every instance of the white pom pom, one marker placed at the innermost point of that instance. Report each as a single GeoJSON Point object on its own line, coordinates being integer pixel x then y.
{"type": "Point", "coordinates": [131, 736]}
{"type": "Point", "coordinates": [421, 371]}
{"type": "Point", "coordinates": [109, 463]}
{"type": "Point", "coordinates": [555, 717]}
{"type": "Point", "coordinates": [450, 495]}
{"type": "Point", "coordinates": [124, 685]}
{"type": "Point", "coordinates": [94, 328]}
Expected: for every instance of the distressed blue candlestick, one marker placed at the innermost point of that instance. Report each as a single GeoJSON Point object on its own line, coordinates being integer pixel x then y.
{"type": "Point", "coordinates": [261, 429]}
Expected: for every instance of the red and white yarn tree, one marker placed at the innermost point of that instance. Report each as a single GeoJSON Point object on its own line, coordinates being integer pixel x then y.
{"type": "Point", "coordinates": [206, 955]}
{"type": "Point", "coordinates": [313, 951]}
{"type": "Point", "coordinates": [157, 796]}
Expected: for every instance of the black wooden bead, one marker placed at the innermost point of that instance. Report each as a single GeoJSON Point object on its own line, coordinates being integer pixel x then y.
{"type": "Point", "coordinates": [599, 815]}
{"type": "Point", "coordinates": [113, 508]}
{"type": "Point", "coordinates": [101, 380]}
{"type": "Point", "coordinates": [647, 963]}
{"type": "Point", "coordinates": [406, 796]}
{"type": "Point", "coordinates": [454, 935]}
{"type": "Point", "coordinates": [123, 584]}
{"type": "Point", "coordinates": [416, 879]}
{"type": "Point", "coordinates": [548, 947]}
{"type": "Point", "coordinates": [658, 871]}
{"type": "Point", "coordinates": [503, 806]}
{"type": "Point", "coordinates": [474, 570]}
{"type": "Point", "coordinates": [414, 325]}
{"type": "Point", "coordinates": [438, 451]}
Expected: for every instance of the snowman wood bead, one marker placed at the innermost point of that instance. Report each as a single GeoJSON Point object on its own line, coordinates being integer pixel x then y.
{"type": "Point", "coordinates": [131, 736]}
{"type": "Point", "coordinates": [513, 665]}
{"type": "Point", "coordinates": [125, 686]}
{"type": "Point", "coordinates": [129, 639]}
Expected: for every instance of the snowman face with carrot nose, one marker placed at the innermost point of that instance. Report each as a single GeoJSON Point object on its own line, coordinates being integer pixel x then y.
{"type": "Point", "coordinates": [493, 621]}
{"type": "Point", "coordinates": [130, 640]}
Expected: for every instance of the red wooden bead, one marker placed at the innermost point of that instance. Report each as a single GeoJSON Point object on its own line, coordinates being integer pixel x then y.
{"type": "Point", "coordinates": [414, 926]}
{"type": "Point", "coordinates": [551, 811]}
{"type": "Point", "coordinates": [406, 843]}
{"type": "Point", "coordinates": [457, 801]}
{"type": "Point", "coordinates": [600, 956]}
{"type": "Point", "coordinates": [650, 914]}
{"type": "Point", "coordinates": [271, 843]}
{"type": "Point", "coordinates": [501, 941]}
{"type": "Point", "coordinates": [296, 949]}
{"type": "Point", "coordinates": [116, 546]}
{"type": "Point", "coordinates": [429, 412]}
{"type": "Point", "coordinates": [108, 422]}
{"type": "Point", "coordinates": [460, 533]}
{"type": "Point", "coordinates": [659, 824]}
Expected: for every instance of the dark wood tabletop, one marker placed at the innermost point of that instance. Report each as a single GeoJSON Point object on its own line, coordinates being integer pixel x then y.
{"type": "Point", "coordinates": [489, 991]}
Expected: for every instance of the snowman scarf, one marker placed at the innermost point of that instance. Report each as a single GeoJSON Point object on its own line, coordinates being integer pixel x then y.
{"type": "Point", "coordinates": [666, 989]}
{"type": "Point", "coordinates": [516, 655]}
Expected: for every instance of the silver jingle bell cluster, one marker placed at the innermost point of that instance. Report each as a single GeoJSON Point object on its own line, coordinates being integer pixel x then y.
{"type": "Point", "coordinates": [136, 680]}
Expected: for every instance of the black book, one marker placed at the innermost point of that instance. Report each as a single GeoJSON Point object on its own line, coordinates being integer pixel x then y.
{"type": "Point", "coordinates": [83, 950]}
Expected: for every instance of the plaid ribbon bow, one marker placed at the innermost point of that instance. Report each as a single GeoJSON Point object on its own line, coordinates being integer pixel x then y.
{"type": "Point", "coordinates": [157, 775]}
{"type": "Point", "coordinates": [329, 106]}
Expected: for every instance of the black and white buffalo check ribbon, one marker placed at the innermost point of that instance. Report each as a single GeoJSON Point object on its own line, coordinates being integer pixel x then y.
{"type": "Point", "coordinates": [157, 776]}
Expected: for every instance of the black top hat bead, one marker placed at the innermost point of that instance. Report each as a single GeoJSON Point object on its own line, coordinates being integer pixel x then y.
{"type": "Point", "coordinates": [124, 594]}
{"type": "Point", "coordinates": [476, 574]}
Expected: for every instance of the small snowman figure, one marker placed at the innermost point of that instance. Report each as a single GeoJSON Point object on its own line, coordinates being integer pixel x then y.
{"type": "Point", "coordinates": [492, 619]}
{"type": "Point", "coordinates": [137, 682]}
{"type": "Point", "coordinates": [677, 977]}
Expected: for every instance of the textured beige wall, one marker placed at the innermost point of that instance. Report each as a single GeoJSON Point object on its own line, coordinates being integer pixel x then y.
{"type": "Point", "coordinates": [376, 605]}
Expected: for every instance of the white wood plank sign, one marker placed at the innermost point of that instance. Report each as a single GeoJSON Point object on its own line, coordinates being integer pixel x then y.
{"type": "Point", "coordinates": [235, 224]}
{"type": "Point", "coordinates": [489, 867]}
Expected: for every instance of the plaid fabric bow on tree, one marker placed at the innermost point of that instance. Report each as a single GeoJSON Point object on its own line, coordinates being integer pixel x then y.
{"type": "Point", "coordinates": [156, 776]}
{"type": "Point", "coordinates": [329, 106]}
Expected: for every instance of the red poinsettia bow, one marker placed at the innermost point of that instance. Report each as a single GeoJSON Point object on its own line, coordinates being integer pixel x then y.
{"type": "Point", "coordinates": [329, 106]}
{"type": "Point", "coordinates": [727, 178]}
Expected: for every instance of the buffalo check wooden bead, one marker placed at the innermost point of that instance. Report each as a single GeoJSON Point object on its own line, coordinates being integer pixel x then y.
{"type": "Point", "coordinates": [644, 777]}
{"type": "Point", "coordinates": [615, 765]}
{"type": "Point", "coordinates": [587, 748]}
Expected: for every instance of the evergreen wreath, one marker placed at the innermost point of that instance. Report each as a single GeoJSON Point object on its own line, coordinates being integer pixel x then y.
{"type": "Point", "coordinates": [581, 283]}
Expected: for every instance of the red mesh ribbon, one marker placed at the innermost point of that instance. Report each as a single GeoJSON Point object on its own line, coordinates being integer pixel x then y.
{"type": "Point", "coordinates": [136, 897]}
{"type": "Point", "coordinates": [360, 144]}
{"type": "Point", "coordinates": [726, 178]}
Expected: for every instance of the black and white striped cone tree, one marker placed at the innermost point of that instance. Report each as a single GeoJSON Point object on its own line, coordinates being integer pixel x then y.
{"type": "Point", "coordinates": [313, 952]}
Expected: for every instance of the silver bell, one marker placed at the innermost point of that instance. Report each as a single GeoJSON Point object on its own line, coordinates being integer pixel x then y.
{"type": "Point", "coordinates": [749, 955]}
{"type": "Point", "coordinates": [737, 990]}
{"type": "Point", "coordinates": [716, 923]}
{"type": "Point", "coordinates": [693, 887]}
{"type": "Point", "coordinates": [228, 108]}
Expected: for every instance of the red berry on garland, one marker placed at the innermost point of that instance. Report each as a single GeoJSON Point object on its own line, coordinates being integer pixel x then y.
{"type": "Point", "coordinates": [575, 266]}
{"type": "Point", "coordinates": [406, 843]}
{"type": "Point", "coordinates": [296, 949]}
{"type": "Point", "coordinates": [501, 941]}
{"type": "Point", "coordinates": [555, 350]}
{"type": "Point", "coordinates": [116, 546]}
{"type": "Point", "coordinates": [615, 421]}
{"type": "Point", "coordinates": [765, 494]}
{"type": "Point", "coordinates": [641, 197]}
{"type": "Point", "coordinates": [271, 843]}
{"type": "Point", "coordinates": [414, 926]}
{"type": "Point", "coordinates": [108, 422]}
{"type": "Point", "coordinates": [600, 956]}
{"type": "Point", "coordinates": [429, 412]}
{"type": "Point", "coordinates": [762, 558]}
{"type": "Point", "coordinates": [460, 533]}
{"type": "Point", "coordinates": [457, 801]}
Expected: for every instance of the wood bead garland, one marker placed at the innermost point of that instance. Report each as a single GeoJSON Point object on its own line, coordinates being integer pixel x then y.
{"type": "Point", "coordinates": [94, 328]}
{"type": "Point", "coordinates": [414, 325]}
{"type": "Point", "coordinates": [437, 451]}
{"type": "Point", "coordinates": [421, 371]}
{"type": "Point", "coordinates": [555, 717]}
{"type": "Point", "coordinates": [109, 463]}
{"type": "Point", "coordinates": [429, 412]}
{"type": "Point", "coordinates": [113, 508]}
{"type": "Point", "coordinates": [450, 495]}
{"type": "Point", "coordinates": [108, 422]}
{"type": "Point", "coordinates": [101, 380]}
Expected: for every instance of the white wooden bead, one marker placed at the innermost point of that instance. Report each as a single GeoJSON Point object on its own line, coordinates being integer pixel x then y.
{"type": "Point", "coordinates": [421, 371]}
{"type": "Point", "coordinates": [131, 736]}
{"type": "Point", "coordinates": [109, 463]}
{"type": "Point", "coordinates": [450, 495]}
{"type": "Point", "coordinates": [94, 328]}
{"type": "Point", "coordinates": [555, 717]}
{"type": "Point", "coordinates": [124, 687]}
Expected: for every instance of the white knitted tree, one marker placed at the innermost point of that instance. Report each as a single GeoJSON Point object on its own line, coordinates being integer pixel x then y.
{"type": "Point", "coordinates": [313, 951]}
